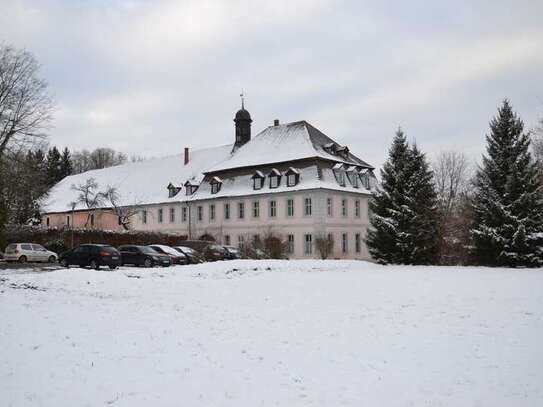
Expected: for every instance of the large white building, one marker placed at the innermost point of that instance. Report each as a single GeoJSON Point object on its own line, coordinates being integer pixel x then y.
{"type": "Point", "coordinates": [290, 180]}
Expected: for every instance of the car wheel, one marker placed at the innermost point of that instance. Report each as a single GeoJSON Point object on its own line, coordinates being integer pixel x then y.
{"type": "Point", "coordinates": [22, 259]}
{"type": "Point", "coordinates": [147, 263]}
{"type": "Point", "coordinates": [112, 267]}
{"type": "Point", "coordinates": [51, 259]}
{"type": "Point", "coordinates": [64, 263]}
{"type": "Point", "coordinates": [94, 265]}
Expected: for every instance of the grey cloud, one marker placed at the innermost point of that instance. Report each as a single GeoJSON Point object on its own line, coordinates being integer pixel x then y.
{"type": "Point", "coordinates": [151, 77]}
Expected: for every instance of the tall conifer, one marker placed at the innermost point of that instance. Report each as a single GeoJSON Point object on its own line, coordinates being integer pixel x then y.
{"type": "Point", "coordinates": [508, 203]}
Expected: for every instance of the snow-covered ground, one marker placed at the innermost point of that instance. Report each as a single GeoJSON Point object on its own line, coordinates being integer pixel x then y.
{"type": "Point", "coordinates": [276, 333]}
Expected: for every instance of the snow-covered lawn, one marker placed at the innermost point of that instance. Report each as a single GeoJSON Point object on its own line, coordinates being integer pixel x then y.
{"type": "Point", "coordinates": [272, 333]}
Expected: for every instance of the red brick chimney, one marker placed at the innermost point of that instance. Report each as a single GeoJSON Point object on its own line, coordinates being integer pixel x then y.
{"type": "Point", "coordinates": [186, 155]}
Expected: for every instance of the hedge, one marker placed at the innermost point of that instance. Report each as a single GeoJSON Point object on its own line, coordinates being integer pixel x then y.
{"type": "Point", "coordinates": [60, 239]}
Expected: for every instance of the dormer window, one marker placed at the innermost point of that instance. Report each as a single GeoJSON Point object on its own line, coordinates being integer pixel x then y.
{"type": "Point", "coordinates": [173, 190]}
{"type": "Point", "coordinates": [352, 174]}
{"type": "Point", "coordinates": [293, 176]}
{"type": "Point", "coordinates": [258, 180]}
{"type": "Point", "coordinates": [331, 148]}
{"type": "Point", "coordinates": [190, 188]}
{"type": "Point", "coordinates": [364, 178]}
{"type": "Point", "coordinates": [343, 151]}
{"type": "Point", "coordinates": [339, 173]}
{"type": "Point", "coordinates": [216, 184]}
{"type": "Point", "coordinates": [275, 178]}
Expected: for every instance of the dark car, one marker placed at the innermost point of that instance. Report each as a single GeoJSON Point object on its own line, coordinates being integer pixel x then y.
{"type": "Point", "coordinates": [175, 256]}
{"type": "Point", "coordinates": [143, 256]}
{"type": "Point", "coordinates": [193, 256]}
{"type": "Point", "coordinates": [232, 253]}
{"type": "Point", "coordinates": [209, 250]}
{"type": "Point", "coordinates": [91, 255]}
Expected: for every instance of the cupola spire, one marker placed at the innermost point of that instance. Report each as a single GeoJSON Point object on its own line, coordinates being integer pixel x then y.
{"type": "Point", "coordinates": [243, 124]}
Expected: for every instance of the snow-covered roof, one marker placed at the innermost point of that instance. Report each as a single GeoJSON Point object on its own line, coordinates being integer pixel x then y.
{"type": "Point", "coordinates": [242, 185]}
{"type": "Point", "coordinates": [283, 143]}
{"type": "Point", "coordinates": [141, 182]}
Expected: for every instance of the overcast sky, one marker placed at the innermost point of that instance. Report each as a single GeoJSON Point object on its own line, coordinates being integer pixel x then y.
{"type": "Point", "coordinates": [151, 77]}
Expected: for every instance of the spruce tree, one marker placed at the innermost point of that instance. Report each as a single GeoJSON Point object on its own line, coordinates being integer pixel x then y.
{"type": "Point", "coordinates": [508, 200]}
{"type": "Point", "coordinates": [66, 167]}
{"type": "Point", "coordinates": [423, 203]}
{"type": "Point", "coordinates": [53, 166]}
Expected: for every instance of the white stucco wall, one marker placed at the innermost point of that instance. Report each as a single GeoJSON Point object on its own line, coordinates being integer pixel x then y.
{"type": "Point", "coordinates": [319, 223]}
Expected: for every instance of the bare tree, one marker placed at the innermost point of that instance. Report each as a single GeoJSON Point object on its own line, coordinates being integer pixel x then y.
{"type": "Point", "coordinates": [451, 177]}
{"type": "Point", "coordinates": [324, 245]}
{"type": "Point", "coordinates": [124, 213]}
{"type": "Point", "coordinates": [89, 196]}
{"type": "Point", "coordinates": [99, 158]}
{"type": "Point", "coordinates": [25, 106]}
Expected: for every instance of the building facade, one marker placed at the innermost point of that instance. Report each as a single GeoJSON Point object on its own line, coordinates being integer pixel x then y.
{"type": "Point", "coordinates": [290, 181]}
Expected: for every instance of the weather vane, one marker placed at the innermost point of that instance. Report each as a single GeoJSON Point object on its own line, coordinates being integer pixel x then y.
{"type": "Point", "coordinates": [242, 96]}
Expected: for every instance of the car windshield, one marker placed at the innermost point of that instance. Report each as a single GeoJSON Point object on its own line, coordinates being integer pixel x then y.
{"type": "Point", "coordinates": [186, 250]}
{"type": "Point", "coordinates": [216, 247]}
{"type": "Point", "coordinates": [148, 250]}
{"type": "Point", "coordinates": [168, 250]}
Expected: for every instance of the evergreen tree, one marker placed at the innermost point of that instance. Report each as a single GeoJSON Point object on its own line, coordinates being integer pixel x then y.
{"type": "Point", "coordinates": [423, 203]}
{"type": "Point", "coordinates": [508, 201]}
{"type": "Point", "coordinates": [404, 222]}
{"type": "Point", "coordinates": [66, 167]}
{"type": "Point", "coordinates": [53, 166]}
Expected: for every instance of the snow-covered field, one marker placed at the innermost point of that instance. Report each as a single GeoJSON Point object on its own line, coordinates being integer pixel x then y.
{"type": "Point", "coordinates": [272, 333]}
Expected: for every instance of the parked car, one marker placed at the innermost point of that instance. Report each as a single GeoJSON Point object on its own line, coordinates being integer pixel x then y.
{"type": "Point", "coordinates": [91, 255]}
{"type": "Point", "coordinates": [210, 251]}
{"type": "Point", "coordinates": [175, 256]}
{"type": "Point", "coordinates": [143, 256]}
{"type": "Point", "coordinates": [23, 252]}
{"type": "Point", "coordinates": [193, 256]}
{"type": "Point", "coordinates": [232, 253]}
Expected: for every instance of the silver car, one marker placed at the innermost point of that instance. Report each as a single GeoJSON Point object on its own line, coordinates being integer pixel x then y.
{"type": "Point", "coordinates": [29, 252]}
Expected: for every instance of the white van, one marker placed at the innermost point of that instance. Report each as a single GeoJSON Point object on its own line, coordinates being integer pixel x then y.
{"type": "Point", "coordinates": [23, 252]}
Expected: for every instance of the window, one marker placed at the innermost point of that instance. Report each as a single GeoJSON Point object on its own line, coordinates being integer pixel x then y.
{"type": "Point", "coordinates": [47, 221]}
{"type": "Point", "coordinates": [160, 215]}
{"type": "Point", "coordinates": [241, 210]}
{"type": "Point", "coordinates": [329, 207]}
{"type": "Point", "coordinates": [226, 211]}
{"type": "Point", "coordinates": [215, 187]}
{"type": "Point", "coordinates": [339, 173]}
{"type": "Point", "coordinates": [216, 183]}
{"type": "Point", "coordinates": [200, 213]}
{"type": "Point", "coordinates": [184, 211]}
{"type": "Point", "coordinates": [240, 241]}
{"type": "Point", "coordinates": [290, 244]}
{"type": "Point", "coordinates": [172, 215]}
{"type": "Point", "coordinates": [258, 183]}
{"type": "Point", "coordinates": [144, 217]}
{"type": "Point", "coordinates": [357, 208]}
{"type": "Point", "coordinates": [190, 188]}
{"type": "Point", "coordinates": [307, 207]}
{"type": "Point", "coordinates": [256, 209]}
{"type": "Point", "coordinates": [227, 240]}
{"type": "Point", "coordinates": [67, 221]}
{"type": "Point", "coordinates": [273, 209]}
{"type": "Point", "coordinates": [275, 178]}
{"type": "Point", "coordinates": [173, 190]}
{"type": "Point", "coordinates": [92, 220]}
{"type": "Point", "coordinates": [274, 181]}
{"type": "Point", "coordinates": [291, 180]}
{"type": "Point", "coordinates": [343, 207]}
{"type": "Point", "coordinates": [331, 241]}
{"type": "Point", "coordinates": [357, 242]}
{"type": "Point", "coordinates": [290, 207]}
{"type": "Point", "coordinates": [212, 212]}
{"type": "Point", "coordinates": [344, 247]}
{"type": "Point", "coordinates": [308, 247]}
